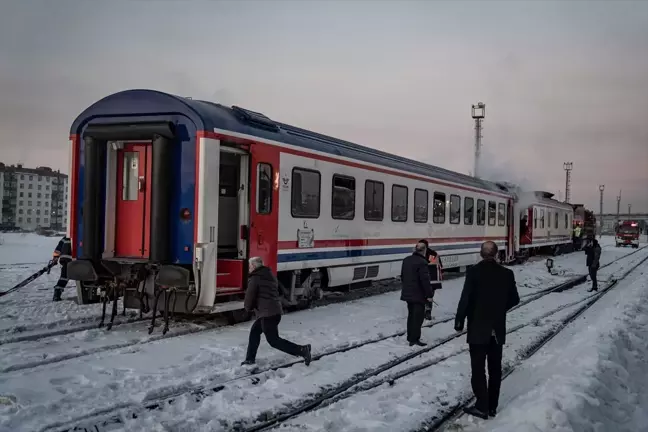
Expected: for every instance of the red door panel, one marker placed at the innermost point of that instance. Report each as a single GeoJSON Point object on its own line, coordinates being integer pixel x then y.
{"type": "Point", "coordinates": [264, 204]}
{"type": "Point", "coordinates": [133, 201]}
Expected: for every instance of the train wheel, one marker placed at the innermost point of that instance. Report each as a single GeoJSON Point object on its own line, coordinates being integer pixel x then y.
{"type": "Point", "coordinates": [237, 316]}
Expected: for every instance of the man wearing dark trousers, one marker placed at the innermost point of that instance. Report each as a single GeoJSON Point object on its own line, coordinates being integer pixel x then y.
{"type": "Point", "coordinates": [593, 254]}
{"type": "Point", "coordinates": [416, 290]}
{"type": "Point", "coordinates": [263, 295]}
{"type": "Point", "coordinates": [63, 255]}
{"type": "Point", "coordinates": [489, 292]}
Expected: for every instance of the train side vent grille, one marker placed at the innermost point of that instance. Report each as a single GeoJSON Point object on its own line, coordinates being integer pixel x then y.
{"type": "Point", "coordinates": [255, 119]}
{"type": "Point", "coordinates": [359, 273]}
{"type": "Point", "coordinates": [372, 271]}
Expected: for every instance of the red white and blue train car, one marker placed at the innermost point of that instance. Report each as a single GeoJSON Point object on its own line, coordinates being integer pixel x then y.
{"type": "Point", "coordinates": [170, 193]}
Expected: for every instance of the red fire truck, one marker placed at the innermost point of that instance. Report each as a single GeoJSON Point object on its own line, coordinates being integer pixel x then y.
{"type": "Point", "coordinates": [628, 234]}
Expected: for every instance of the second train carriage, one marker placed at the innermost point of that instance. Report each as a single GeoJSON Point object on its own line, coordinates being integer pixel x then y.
{"type": "Point", "coordinates": [182, 192]}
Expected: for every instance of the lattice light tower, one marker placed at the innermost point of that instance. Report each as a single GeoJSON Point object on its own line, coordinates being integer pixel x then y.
{"type": "Point", "coordinates": [629, 210]}
{"type": "Point", "coordinates": [567, 166]}
{"type": "Point", "coordinates": [601, 189]}
{"type": "Point", "coordinates": [478, 114]}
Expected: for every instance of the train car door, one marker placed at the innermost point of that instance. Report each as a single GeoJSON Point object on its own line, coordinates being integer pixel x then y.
{"type": "Point", "coordinates": [264, 204]}
{"type": "Point", "coordinates": [133, 201]}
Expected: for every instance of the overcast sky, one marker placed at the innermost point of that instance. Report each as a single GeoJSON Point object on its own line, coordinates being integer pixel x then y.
{"type": "Point", "coordinates": [563, 81]}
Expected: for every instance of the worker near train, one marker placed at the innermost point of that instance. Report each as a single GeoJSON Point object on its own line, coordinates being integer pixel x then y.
{"type": "Point", "coordinates": [416, 291]}
{"type": "Point", "coordinates": [62, 255]}
{"type": "Point", "coordinates": [578, 237]}
{"type": "Point", "coordinates": [489, 292]}
{"type": "Point", "coordinates": [593, 254]}
{"type": "Point", "coordinates": [435, 269]}
{"type": "Point", "coordinates": [264, 296]}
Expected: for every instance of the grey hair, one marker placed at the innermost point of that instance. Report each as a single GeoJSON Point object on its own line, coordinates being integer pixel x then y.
{"type": "Point", "coordinates": [256, 262]}
{"type": "Point", "coordinates": [420, 248]}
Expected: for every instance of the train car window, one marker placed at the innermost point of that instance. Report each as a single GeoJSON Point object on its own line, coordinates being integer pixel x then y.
{"type": "Point", "coordinates": [455, 209]}
{"type": "Point", "coordinates": [566, 221]}
{"type": "Point", "coordinates": [549, 220]}
{"type": "Point", "coordinates": [556, 220]}
{"type": "Point", "coordinates": [501, 214]}
{"type": "Point", "coordinates": [374, 200]}
{"type": "Point", "coordinates": [481, 212]}
{"type": "Point", "coordinates": [305, 197]}
{"type": "Point", "coordinates": [542, 219]}
{"type": "Point", "coordinates": [264, 188]}
{"type": "Point", "coordinates": [130, 173]}
{"type": "Point", "coordinates": [439, 208]}
{"type": "Point", "coordinates": [420, 206]}
{"type": "Point", "coordinates": [469, 210]}
{"type": "Point", "coordinates": [492, 211]}
{"type": "Point", "coordinates": [399, 203]}
{"type": "Point", "coordinates": [343, 199]}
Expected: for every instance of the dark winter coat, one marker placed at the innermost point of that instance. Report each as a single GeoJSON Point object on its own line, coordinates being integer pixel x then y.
{"type": "Point", "coordinates": [489, 292]}
{"type": "Point", "coordinates": [593, 253]}
{"type": "Point", "coordinates": [415, 279]}
{"type": "Point", "coordinates": [263, 293]}
{"type": "Point", "coordinates": [434, 272]}
{"type": "Point", "coordinates": [63, 250]}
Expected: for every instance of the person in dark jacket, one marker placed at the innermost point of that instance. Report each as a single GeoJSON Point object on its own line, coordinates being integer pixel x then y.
{"type": "Point", "coordinates": [263, 295]}
{"type": "Point", "coordinates": [593, 253]}
{"type": "Point", "coordinates": [62, 255]}
{"type": "Point", "coordinates": [416, 290]}
{"type": "Point", "coordinates": [435, 268]}
{"type": "Point", "coordinates": [489, 292]}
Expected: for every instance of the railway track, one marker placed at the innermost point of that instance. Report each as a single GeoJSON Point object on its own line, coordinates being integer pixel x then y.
{"type": "Point", "coordinates": [366, 380]}
{"type": "Point", "coordinates": [114, 415]}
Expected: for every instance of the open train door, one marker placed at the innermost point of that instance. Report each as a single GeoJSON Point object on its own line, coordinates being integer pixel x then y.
{"type": "Point", "coordinates": [512, 227]}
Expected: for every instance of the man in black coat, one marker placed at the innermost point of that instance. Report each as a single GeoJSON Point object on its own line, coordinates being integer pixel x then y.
{"type": "Point", "coordinates": [416, 291]}
{"type": "Point", "coordinates": [489, 292]}
{"type": "Point", "coordinates": [263, 295]}
{"type": "Point", "coordinates": [593, 253]}
{"type": "Point", "coordinates": [62, 255]}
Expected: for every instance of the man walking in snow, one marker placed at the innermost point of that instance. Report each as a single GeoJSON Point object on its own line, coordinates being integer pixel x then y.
{"type": "Point", "coordinates": [489, 292]}
{"type": "Point", "coordinates": [416, 290]}
{"type": "Point", "coordinates": [263, 295]}
{"type": "Point", "coordinates": [593, 253]}
{"type": "Point", "coordinates": [63, 255]}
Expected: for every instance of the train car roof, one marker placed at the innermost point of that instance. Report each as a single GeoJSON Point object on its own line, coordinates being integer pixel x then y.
{"type": "Point", "coordinates": [209, 116]}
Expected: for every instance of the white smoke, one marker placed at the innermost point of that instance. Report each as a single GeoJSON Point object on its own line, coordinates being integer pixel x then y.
{"type": "Point", "coordinates": [498, 168]}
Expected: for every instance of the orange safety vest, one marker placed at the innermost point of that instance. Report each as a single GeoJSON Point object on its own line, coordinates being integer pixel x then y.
{"type": "Point", "coordinates": [433, 261]}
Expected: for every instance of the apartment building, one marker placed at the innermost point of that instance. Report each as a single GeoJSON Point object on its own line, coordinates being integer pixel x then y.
{"type": "Point", "coordinates": [33, 198]}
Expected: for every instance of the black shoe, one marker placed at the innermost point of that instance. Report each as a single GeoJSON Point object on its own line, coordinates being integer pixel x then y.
{"type": "Point", "coordinates": [57, 294]}
{"type": "Point", "coordinates": [474, 411]}
{"type": "Point", "coordinates": [306, 353]}
{"type": "Point", "coordinates": [492, 412]}
{"type": "Point", "coordinates": [418, 343]}
{"type": "Point", "coordinates": [247, 363]}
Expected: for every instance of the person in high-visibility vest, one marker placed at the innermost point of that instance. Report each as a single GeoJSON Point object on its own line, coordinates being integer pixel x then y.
{"type": "Point", "coordinates": [62, 255]}
{"type": "Point", "coordinates": [578, 237]}
{"type": "Point", "coordinates": [436, 275]}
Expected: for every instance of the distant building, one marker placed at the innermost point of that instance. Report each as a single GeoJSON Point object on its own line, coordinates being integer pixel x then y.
{"type": "Point", "coordinates": [33, 198]}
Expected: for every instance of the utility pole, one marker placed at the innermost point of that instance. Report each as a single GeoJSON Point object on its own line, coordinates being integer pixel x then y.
{"type": "Point", "coordinates": [618, 220]}
{"type": "Point", "coordinates": [567, 166]}
{"type": "Point", "coordinates": [478, 114]}
{"type": "Point", "coordinates": [601, 189]}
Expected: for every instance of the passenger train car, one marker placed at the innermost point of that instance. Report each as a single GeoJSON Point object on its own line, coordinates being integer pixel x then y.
{"type": "Point", "coordinates": [173, 195]}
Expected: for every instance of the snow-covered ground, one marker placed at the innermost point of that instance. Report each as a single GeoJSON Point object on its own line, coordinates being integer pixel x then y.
{"type": "Point", "coordinates": [69, 376]}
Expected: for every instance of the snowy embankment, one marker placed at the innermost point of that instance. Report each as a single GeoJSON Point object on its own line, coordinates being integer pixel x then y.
{"type": "Point", "coordinates": [135, 369]}
{"type": "Point", "coordinates": [593, 377]}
